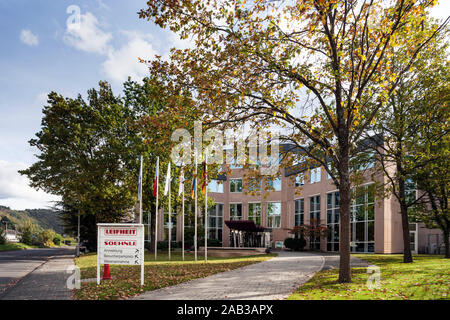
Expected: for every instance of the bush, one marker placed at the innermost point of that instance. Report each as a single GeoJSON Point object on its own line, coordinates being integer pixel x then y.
{"type": "Point", "coordinates": [27, 234]}
{"type": "Point", "coordinates": [295, 244]}
{"type": "Point", "coordinates": [45, 238]}
{"type": "Point", "coordinates": [2, 237]}
{"type": "Point", "coordinates": [57, 239]}
{"type": "Point", "coordinates": [164, 245]}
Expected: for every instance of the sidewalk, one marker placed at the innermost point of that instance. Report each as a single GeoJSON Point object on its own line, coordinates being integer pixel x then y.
{"type": "Point", "coordinates": [274, 279]}
{"type": "Point", "coordinates": [47, 282]}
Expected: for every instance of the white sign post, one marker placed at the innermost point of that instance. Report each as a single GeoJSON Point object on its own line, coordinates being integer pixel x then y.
{"type": "Point", "coordinates": [120, 243]}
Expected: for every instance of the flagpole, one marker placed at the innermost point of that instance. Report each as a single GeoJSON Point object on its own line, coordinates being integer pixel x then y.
{"type": "Point", "coordinates": [206, 208]}
{"type": "Point", "coordinates": [170, 218]}
{"type": "Point", "coordinates": [140, 195]}
{"type": "Point", "coordinates": [195, 218]}
{"type": "Point", "coordinates": [182, 222]}
{"type": "Point", "coordinates": [156, 212]}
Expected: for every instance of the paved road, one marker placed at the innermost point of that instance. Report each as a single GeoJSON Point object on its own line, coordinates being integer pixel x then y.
{"type": "Point", "coordinates": [35, 273]}
{"type": "Point", "coordinates": [274, 279]}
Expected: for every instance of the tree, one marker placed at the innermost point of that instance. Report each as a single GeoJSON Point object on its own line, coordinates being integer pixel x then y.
{"type": "Point", "coordinates": [256, 62]}
{"type": "Point", "coordinates": [411, 121]}
{"type": "Point", "coordinates": [27, 233]}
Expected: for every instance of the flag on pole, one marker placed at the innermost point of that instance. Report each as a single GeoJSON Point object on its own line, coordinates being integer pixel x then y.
{"type": "Point", "coordinates": [204, 178]}
{"type": "Point", "coordinates": [167, 186]}
{"type": "Point", "coordinates": [181, 187]}
{"type": "Point", "coordinates": [155, 183]}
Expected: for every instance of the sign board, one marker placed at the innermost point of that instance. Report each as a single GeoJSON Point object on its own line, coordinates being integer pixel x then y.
{"type": "Point", "coordinates": [120, 243]}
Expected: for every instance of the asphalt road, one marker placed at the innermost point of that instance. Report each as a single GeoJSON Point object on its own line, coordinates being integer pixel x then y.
{"type": "Point", "coordinates": [14, 265]}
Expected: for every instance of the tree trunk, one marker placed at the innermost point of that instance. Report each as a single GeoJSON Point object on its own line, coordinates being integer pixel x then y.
{"type": "Point", "coordinates": [344, 213]}
{"type": "Point", "coordinates": [447, 244]}
{"type": "Point", "coordinates": [407, 256]}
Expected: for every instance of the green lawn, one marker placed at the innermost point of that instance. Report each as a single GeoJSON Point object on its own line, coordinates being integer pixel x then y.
{"type": "Point", "coordinates": [14, 246]}
{"type": "Point", "coordinates": [427, 278]}
{"type": "Point", "coordinates": [158, 274]}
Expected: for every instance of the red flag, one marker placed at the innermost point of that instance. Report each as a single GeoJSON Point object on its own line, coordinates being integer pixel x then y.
{"type": "Point", "coordinates": [155, 184]}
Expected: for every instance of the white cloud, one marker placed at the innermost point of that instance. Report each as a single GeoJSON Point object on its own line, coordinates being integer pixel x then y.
{"type": "Point", "coordinates": [27, 37]}
{"type": "Point", "coordinates": [87, 35]}
{"type": "Point", "coordinates": [124, 62]}
{"type": "Point", "coordinates": [15, 191]}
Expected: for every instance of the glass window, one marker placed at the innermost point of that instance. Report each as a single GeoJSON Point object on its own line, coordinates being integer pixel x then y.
{"type": "Point", "coordinates": [300, 180]}
{"type": "Point", "coordinates": [215, 186]}
{"type": "Point", "coordinates": [235, 211]}
{"type": "Point", "coordinates": [254, 212]}
{"type": "Point", "coordinates": [314, 216]}
{"type": "Point", "coordinates": [299, 213]}
{"type": "Point", "coordinates": [274, 214]}
{"type": "Point", "coordinates": [315, 175]}
{"type": "Point", "coordinates": [253, 186]}
{"type": "Point", "coordinates": [274, 184]}
{"type": "Point", "coordinates": [215, 220]}
{"type": "Point", "coordinates": [235, 185]}
{"type": "Point", "coordinates": [333, 221]}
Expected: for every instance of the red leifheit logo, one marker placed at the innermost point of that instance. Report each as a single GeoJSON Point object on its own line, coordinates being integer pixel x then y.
{"type": "Point", "coordinates": [120, 243]}
{"type": "Point", "coordinates": [120, 232]}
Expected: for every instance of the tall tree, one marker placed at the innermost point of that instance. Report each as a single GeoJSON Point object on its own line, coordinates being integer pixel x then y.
{"type": "Point", "coordinates": [410, 121]}
{"type": "Point", "coordinates": [316, 67]}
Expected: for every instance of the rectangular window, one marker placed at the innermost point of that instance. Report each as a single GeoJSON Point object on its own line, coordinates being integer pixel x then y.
{"type": "Point", "coordinates": [273, 214]}
{"type": "Point", "coordinates": [215, 186]}
{"type": "Point", "coordinates": [235, 211]}
{"type": "Point", "coordinates": [315, 174]}
{"type": "Point", "coordinates": [235, 185]}
{"type": "Point", "coordinates": [254, 212]}
{"type": "Point", "coordinates": [314, 216]}
{"type": "Point", "coordinates": [300, 180]}
{"type": "Point", "coordinates": [215, 221]}
{"type": "Point", "coordinates": [274, 184]}
{"type": "Point", "coordinates": [299, 213]}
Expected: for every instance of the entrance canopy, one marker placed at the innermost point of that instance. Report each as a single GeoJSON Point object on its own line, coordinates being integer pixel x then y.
{"type": "Point", "coordinates": [244, 225]}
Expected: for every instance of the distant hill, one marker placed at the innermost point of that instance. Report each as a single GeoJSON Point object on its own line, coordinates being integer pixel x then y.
{"type": "Point", "coordinates": [44, 218]}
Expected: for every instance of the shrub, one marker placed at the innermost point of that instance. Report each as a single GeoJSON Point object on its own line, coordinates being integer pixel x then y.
{"type": "Point", "coordinates": [57, 239]}
{"type": "Point", "coordinates": [45, 238]}
{"type": "Point", "coordinates": [2, 237]}
{"type": "Point", "coordinates": [27, 233]}
{"type": "Point", "coordinates": [295, 244]}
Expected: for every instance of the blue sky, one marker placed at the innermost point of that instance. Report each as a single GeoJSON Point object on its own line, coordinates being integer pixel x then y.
{"type": "Point", "coordinates": [40, 53]}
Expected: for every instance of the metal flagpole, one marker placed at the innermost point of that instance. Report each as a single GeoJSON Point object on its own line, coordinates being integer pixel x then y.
{"type": "Point", "coordinates": [170, 218]}
{"type": "Point", "coordinates": [195, 210]}
{"type": "Point", "coordinates": [156, 210]}
{"type": "Point", "coordinates": [182, 210]}
{"type": "Point", "coordinates": [206, 208]}
{"type": "Point", "coordinates": [140, 193]}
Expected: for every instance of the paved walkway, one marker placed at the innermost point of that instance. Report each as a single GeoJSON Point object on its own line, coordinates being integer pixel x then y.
{"type": "Point", "coordinates": [46, 282]}
{"type": "Point", "coordinates": [274, 279]}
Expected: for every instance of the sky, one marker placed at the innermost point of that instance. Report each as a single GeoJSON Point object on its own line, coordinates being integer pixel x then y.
{"type": "Point", "coordinates": [45, 47]}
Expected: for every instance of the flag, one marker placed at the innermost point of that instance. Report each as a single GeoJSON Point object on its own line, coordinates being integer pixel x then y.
{"type": "Point", "coordinates": [140, 182]}
{"type": "Point", "coordinates": [204, 178]}
{"type": "Point", "coordinates": [181, 187]}
{"type": "Point", "coordinates": [155, 183]}
{"type": "Point", "coordinates": [166, 188]}
{"type": "Point", "coordinates": [194, 182]}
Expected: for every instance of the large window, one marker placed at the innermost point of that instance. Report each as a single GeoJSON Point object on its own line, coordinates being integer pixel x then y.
{"type": "Point", "coordinates": [300, 180]}
{"type": "Point", "coordinates": [314, 216]}
{"type": "Point", "coordinates": [254, 212]}
{"type": "Point", "coordinates": [274, 184]}
{"type": "Point", "coordinates": [235, 211]}
{"type": "Point", "coordinates": [315, 174]}
{"type": "Point", "coordinates": [333, 221]}
{"type": "Point", "coordinates": [215, 186]}
{"type": "Point", "coordinates": [299, 213]}
{"type": "Point", "coordinates": [273, 214]}
{"type": "Point", "coordinates": [215, 222]}
{"type": "Point", "coordinates": [235, 185]}
{"type": "Point", "coordinates": [363, 219]}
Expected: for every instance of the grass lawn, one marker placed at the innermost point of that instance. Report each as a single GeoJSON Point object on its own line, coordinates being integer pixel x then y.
{"type": "Point", "coordinates": [427, 278]}
{"type": "Point", "coordinates": [14, 246]}
{"type": "Point", "coordinates": [125, 281]}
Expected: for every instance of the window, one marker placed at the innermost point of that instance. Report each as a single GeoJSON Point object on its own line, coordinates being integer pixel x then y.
{"type": "Point", "coordinates": [329, 168]}
{"type": "Point", "coordinates": [215, 186]}
{"type": "Point", "coordinates": [299, 213]}
{"type": "Point", "coordinates": [333, 221]}
{"type": "Point", "coordinates": [254, 212]}
{"type": "Point", "coordinates": [173, 220]}
{"type": "Point", "coordinates": [235, 185]}
{"type": "Point", "coordinates": [300, 180]}
{"type": "Point", "coordinates": [314, 218]}
{"type": "Point", "coordinates": [363, 219]}
{"type": "Point", "coordinates": [215, 222]}
{"type": "Point", "coordinates": [254, 186]}
{"type": "Point", "coordinates": [273, 214]}
{"type": "Point", "coordinates": [235, 211]}
{"type": "Point", "coordinates": [274, 184]}
{"type": "Point", "coordinates": [315, 175]}
{"type": "Point", "coordinates": [410, 191]}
